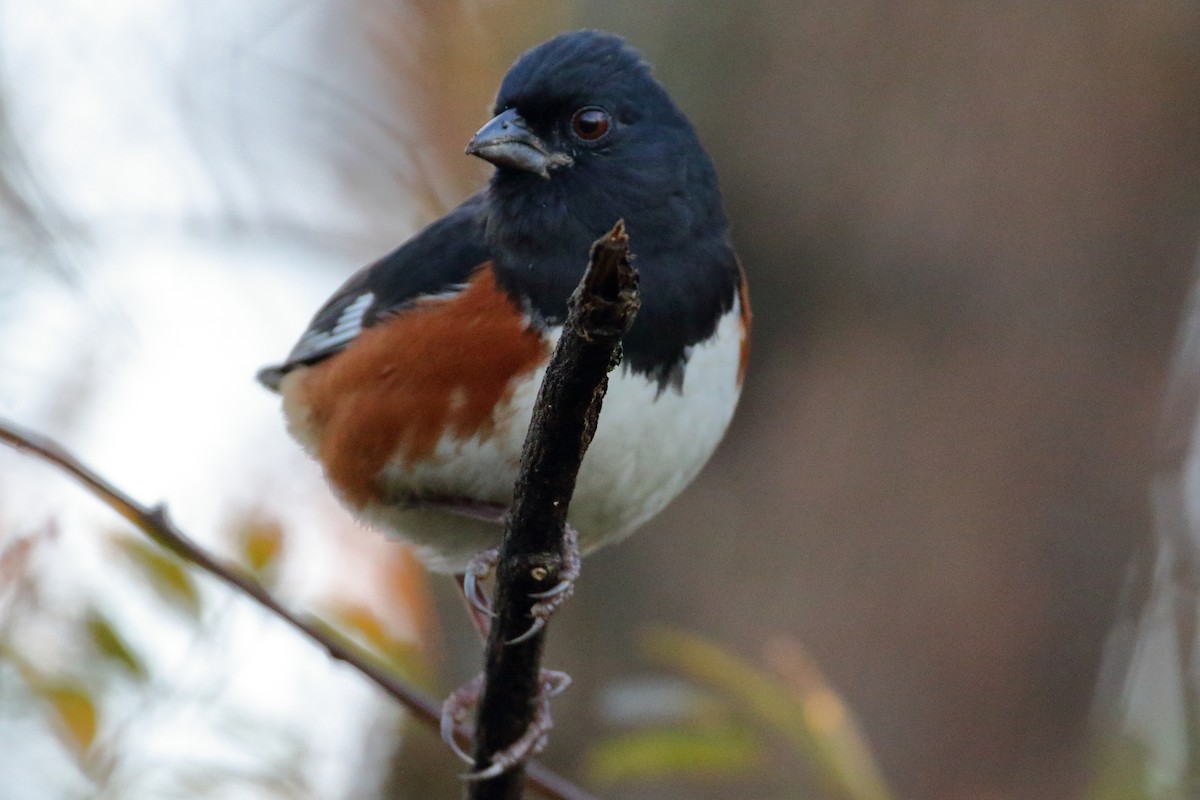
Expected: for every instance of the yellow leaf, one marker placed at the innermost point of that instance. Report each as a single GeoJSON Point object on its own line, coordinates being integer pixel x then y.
{"type": "Point", "coordinates": [366, 623]}
{"type": "Point", "coordinates": [361, 626]}
{"type": "Point", "coordinates": [75, 713]}
{"type": "Point", "coordinates": [261, 541]}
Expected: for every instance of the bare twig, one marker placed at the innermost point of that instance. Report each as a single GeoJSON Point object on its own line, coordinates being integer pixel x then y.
{"type": "Point", "coordinates": [532, 555]}
{"type": "Point", "coordinates": [155, 523]}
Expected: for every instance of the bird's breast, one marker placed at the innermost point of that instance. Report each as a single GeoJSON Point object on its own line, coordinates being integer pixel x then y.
{"type": "Point", "coordinates": [650, 443]}
{"type": "Point", "coordinates": [389, 427]}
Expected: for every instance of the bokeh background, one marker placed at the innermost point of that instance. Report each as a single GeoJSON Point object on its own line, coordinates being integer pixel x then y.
{"type": "Point", "coordinates": [948, 549]}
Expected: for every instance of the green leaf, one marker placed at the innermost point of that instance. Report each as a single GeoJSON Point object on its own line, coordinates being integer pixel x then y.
{"type": "Point", "coordinates": [672, 752]}
{"type": "Point", "coordinates": [165, 573]}
{"type": "Point", "coordinates": [1121, 770]}
{"type": "Point", "coordinates": [808, 713]}
{"type": "Point", "coordinates": [113, 646]}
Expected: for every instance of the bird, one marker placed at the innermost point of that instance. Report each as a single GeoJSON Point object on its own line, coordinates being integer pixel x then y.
{"type": "Point", "coordinates": [414, 384]}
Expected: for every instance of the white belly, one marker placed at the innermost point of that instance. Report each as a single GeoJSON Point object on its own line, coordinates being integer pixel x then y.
{"type": "Point", "coordinates": [648, 446]}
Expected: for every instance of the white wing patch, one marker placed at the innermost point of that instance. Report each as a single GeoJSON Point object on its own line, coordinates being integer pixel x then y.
{"type": "Point", "coordinates": [449, 293]}
{"type": "Point", "coordinates": [347, 327]}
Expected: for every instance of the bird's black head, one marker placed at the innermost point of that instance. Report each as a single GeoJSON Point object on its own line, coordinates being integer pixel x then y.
{"type": "Point", "coordinates": [583, 136]}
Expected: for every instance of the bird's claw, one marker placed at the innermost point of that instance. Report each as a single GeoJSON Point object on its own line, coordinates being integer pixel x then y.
{"type": "Point", "coordinates": [456, 713]}
{"type": "Point", "coordinates": [479, 569]}
{"type": "Point", "coordinates": [530, 632]}
{"type": "Point", "coordinates": [551, 600]}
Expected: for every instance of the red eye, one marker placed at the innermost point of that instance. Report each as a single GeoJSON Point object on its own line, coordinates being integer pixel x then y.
{"type": "Point", "coordinates": [590, 123]}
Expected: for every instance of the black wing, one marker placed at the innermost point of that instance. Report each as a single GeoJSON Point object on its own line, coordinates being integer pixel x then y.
{"type": "Point", "coordinates": [438, 259]}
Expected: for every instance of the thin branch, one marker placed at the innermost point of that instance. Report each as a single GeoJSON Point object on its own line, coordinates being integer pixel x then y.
{"type": "Point", "coordinates": [155, 523]}
{"type": "Point", "coordinates": [532, 555]}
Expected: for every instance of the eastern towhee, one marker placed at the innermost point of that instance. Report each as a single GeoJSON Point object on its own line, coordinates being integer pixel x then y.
{"type": "Point", "coordinates": [414, 384]}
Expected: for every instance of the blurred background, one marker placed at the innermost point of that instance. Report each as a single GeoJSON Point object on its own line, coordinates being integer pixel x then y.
{"type": "Point", "coordinates": [948, 549]}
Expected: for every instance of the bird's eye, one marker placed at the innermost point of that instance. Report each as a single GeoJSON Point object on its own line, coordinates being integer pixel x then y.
{"type": "Point", "coordinates": [590, 123]}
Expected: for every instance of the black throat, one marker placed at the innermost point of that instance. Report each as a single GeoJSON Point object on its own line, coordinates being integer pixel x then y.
{"type": "Point", "coordinates": [540, 236]}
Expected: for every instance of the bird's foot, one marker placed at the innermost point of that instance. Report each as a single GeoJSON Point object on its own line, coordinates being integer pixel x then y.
{"type": "Point", "coordinates": [457, 714]}
{"type": "Point", "coordinates": [548, 602]}
{"type": "Point", "coordinates": [551, 600]}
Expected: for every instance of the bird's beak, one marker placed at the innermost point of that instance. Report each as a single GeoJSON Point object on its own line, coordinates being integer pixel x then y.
{"type": "Point", "coordinates": [507, 141]}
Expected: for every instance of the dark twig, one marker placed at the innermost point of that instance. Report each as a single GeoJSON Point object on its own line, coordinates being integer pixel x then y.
{"type": "Point", "coordinates": [155, 523]}
{"type": "Point", "coordinates": [531, 558]}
